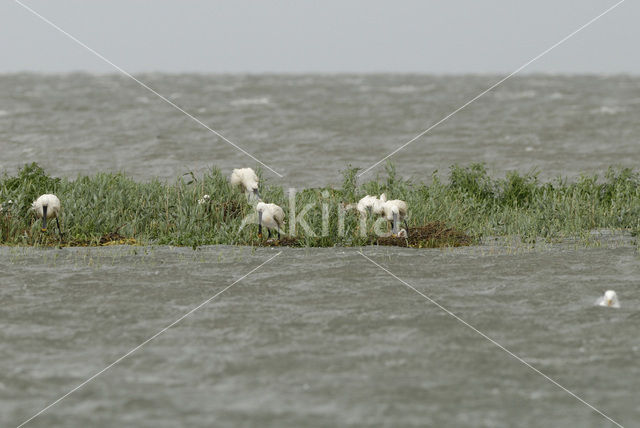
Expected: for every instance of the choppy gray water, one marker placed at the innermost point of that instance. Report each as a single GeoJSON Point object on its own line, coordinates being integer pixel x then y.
{"type": "Point", "coordinates": [319, 337]}
{"type": "Point", "coordinates": [309, 127]}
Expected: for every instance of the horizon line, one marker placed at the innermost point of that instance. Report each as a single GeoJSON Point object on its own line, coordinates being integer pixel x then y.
{"type": "Point", "coordinates": [328, 73]}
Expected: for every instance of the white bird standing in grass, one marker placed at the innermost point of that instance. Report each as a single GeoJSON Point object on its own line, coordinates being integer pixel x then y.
{"type": "Point", "coordinates": [272, 216]}
{"type": "Point", "coordinates": [245, 178]}
{"type": "Point", "coordinates": [45, 207]}
{"type": "Point", "coordinates": [366, 204]}
{"type": "Point", "coordinates": [610, 300]}
{"type": "Point", "coordinates": [378, 204]}
{"type": "Point", "coordinates": [394, 211]}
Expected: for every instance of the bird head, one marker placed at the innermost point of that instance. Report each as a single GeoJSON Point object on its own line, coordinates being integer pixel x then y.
{"type": "Point", "coordinates": [254, 191]}
{"type": "Point", "coordinates": [377, 207]}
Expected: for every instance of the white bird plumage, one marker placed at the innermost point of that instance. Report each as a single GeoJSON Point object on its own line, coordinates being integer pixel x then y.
{"type": "Point", "coordinates": [394, 210]}
{"type": "Point", "coordinates": [366, 204]}
{"type": "Point", "coordinates": [245, 178]}
{"type": "Point", "coordinates": [271, 216]}
{"type": "Point", "coordinates": [609, 299]}
{"type": "Point", "coordinates": [46, 207]}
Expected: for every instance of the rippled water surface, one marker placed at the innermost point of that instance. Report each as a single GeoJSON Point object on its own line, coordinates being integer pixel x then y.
{"type": "Point", "coordinates": [308, 127]}
{"type": "Point", "coordinates": [319, 337]}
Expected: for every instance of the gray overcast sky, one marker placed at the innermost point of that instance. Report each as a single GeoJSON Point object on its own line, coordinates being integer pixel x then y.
{"type": "Point", "coordinates": [435, 36]}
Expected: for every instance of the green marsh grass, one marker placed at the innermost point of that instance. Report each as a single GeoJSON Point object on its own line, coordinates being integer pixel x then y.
{"type": "Point", "coordinates": [113, 205]}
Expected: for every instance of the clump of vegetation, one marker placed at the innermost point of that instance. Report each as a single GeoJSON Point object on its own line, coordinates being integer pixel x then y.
{"type": "Point", "coordinates": [110, 208]}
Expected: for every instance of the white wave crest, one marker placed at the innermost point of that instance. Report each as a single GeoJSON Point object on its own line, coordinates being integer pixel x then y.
{"type": "Point", "coordinates": [251, 101]}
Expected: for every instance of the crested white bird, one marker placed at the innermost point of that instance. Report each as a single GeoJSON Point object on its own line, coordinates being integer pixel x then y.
{"type": "Point", "coordinates": [366, 204]}
{"type": "Point", "coordinates": [272, 216]}
{"type": "Point", "coordinates": [47, 206]}
{"type": "Point", "coordinates": [394, 210]}
{"type": "Point", "coordinates": [610, 300]}
{"type": "Point", "coordinates": [245, 178]}
{"type": "Point", "coordinates": [378, 204]}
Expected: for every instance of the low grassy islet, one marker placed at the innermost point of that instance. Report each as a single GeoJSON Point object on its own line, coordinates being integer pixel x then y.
{"type": "Point", "coordinates": [114, 208]}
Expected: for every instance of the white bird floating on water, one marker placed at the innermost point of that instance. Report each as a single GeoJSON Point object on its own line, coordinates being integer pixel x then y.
{"type": "Point", "coordinates": [272, 216]}
{"type": "Point", "coordinates": [245, 178]}
{"type": "Point", "coordinates": [45, 207]}
{"type": "Point", "coordinates": [610, 300]}
{"type": "Point", "coordinates": [394, 210]}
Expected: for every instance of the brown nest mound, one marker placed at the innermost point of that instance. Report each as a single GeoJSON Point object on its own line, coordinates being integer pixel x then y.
{"type": "Point", "coordinates": [433, 235]}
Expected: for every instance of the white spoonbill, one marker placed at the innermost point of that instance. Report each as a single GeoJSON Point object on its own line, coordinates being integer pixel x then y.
{"type": "Point", "coordinates": [272, 216]}
{"type": "Point", "coordinates": [366, 204]}
{"type": "Point", "coordinates": [245, 178]}
{"type": "Point", "coordinates": [378, 204]}
{"type": "Point", "coordinates": [47, 206]}
{"type": "Point", "coordinates": [610, 300]}
{"type": "Point", "coordinates": [395, 211]}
